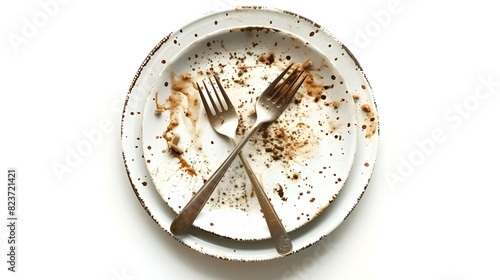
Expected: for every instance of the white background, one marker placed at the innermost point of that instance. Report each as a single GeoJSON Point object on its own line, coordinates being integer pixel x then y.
{"type": "Point", "coordinates": [431, 210]}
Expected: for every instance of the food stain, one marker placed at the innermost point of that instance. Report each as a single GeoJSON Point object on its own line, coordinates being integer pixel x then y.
{"type": "Point", "coordinates": [314, 89]}
{"type": "Point", "coordinates": [370, 124]}
{"type": "Point", "coordinates": [181, 92]}
{"type": "Point", "coordinates": [186, 166]}
{"type": "Point", "coordinates": [267, 59]}
{"type": "Point", "coordinates": [279, 191]}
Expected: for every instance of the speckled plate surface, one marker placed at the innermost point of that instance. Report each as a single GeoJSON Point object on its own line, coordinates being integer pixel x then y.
{"type": "Point", "coordinates": [303, 159]}
{"type": "Point", "coordinates": [337, 59]}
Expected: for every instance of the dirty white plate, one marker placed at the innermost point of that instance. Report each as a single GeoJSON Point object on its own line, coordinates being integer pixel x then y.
{"type": "Point", "coordinates": [303, 159]}
{"type": "Point", "coordinates": [313, 43]}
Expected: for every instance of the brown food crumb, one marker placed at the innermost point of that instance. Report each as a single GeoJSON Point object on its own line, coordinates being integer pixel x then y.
{"type": "Point", "coordinates": [176, 149]}
{"type": "Point", "coordinates": [307, 64]}
{"type": "Point", "coordinates": [267, 59]}
{"type": "Point", "coordinates": [175, 139]}
{"type": "Point", "coordinates": [186, 166]}
{"type": "Point", "coordinates": [366, 108]}
{"type": "Point", "coordinates": [159, 107]}
{"type": "Point", "coordinates": [280, 192]}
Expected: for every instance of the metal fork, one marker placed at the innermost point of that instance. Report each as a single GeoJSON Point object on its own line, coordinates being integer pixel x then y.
{"type": "Point", "coordinates": [224, 119]}
{"type": "Point", "coordinates": [270, 105]}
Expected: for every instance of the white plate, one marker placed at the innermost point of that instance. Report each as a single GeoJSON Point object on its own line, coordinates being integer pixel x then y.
{"type": "Point", "coordinates": [303, 159]}
{"type": "Point", "coordinates": [332, 216]}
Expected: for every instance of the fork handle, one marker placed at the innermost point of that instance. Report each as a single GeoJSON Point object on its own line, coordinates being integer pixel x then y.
{"type": "Point", "coordinates": [280, 237]}
{"type": "Point", "coordinates": [186, 217]}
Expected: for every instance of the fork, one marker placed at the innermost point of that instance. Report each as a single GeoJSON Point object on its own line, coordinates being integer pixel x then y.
{"type": "Point", "coordinates": [224, 120]}
{"type": "Point", "coordinates": [270, 105]}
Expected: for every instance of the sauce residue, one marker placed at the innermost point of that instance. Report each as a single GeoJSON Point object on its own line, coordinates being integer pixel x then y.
{"type": "Point", "coordinates": [314, 89]}
{"type": "Point", "coordinates": [181, 92]}
{"type": "Point", "coordinates": [186, 166]}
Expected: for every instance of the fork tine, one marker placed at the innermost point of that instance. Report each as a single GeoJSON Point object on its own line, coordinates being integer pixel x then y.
{"type": "Point", "coordinates": [285, 96]}
{"type": "Point", "coordinates": [217, 94]}
{"type": "Point", "coordinates": [271, 87]}
{"type": "Point", "coordinates": [290, 93]}
{"type": "Point", "coordinates": [204, 100]}
{"type": "Point", "coordinates": [279, 88]}
{"type": "Point", "coordinates": [223, 92]}
{"type": "Point", "coordinates": [214, 104]}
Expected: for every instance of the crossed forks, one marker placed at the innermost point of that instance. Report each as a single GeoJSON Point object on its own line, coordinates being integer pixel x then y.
{"type": "Point", "coordinates": [224, 120]}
